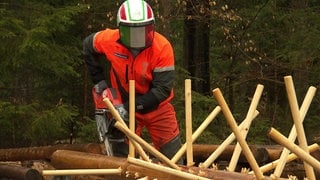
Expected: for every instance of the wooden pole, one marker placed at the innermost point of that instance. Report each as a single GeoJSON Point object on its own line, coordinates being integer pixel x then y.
{"type": "Point", "coordinates": [235, 129]}
{"type": "Point", "coordinates": [293, 133]}
{"type": "Point", "coordinates": [113, 111]}
{"type": "Point", "coordinates": [197, 133]}
{"type": "Point", "coordinates": [298, 123]}
{"type": "Point", "coordinates": [188, 107]}
{"type": "Point", "coordinates": [226, 142]}
{"type": "Point", "coordinates": [67, 172]}
{"type": "Point", "coordinates": [244, 132]}
{"type": "Point", "coordinates": [131, 114]}
{"type": "Point", "coordinates": [290, 157]}
{"type": "Point", "coordinates": [146, 145]}
{"type": "Point", "coordinates": [166, 170]}
{"type": "Point", "coordinates": [202, 151]}
{"type": "Point", "coordinates": [118, 118]}
{"type": "Point", "coordinates": [279, 138]}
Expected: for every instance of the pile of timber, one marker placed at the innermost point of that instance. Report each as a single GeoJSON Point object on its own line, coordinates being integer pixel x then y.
{"type": "Point", "coordinates": [91, 156]}
{"type": "Point", "coordinates": [259, 159]}
{"type": "Point", "coordinates": [262, 154]}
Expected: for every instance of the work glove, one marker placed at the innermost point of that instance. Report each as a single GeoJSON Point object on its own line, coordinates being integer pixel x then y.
{"type": "Point", "coordinates": [100, 86]}
{"type": "Point", "coordinates": [123, 113]}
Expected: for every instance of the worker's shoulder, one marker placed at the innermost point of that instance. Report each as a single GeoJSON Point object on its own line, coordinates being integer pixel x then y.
{"type": "Point", "coordinates": [160, 40]}
{"type": "Point", "coordinates": [107, 35]}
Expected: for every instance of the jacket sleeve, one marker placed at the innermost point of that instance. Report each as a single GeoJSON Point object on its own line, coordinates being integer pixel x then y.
{"type": "Point", "coordinates": [160, 91]}
{"type": "Point", "coordinates": [91, 58]}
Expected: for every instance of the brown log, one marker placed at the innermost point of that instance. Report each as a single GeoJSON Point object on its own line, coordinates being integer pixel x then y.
{"type": "Point", "coordinates": [18, 172]}
{"type": "Point", "coordinates": [200, 152]}
{"type": "Point", "coordinates": [44, 152]}
{"type": "Point", "coordinates": [274, 151]}
{"type": "Point", "coordinates": [65, 159]}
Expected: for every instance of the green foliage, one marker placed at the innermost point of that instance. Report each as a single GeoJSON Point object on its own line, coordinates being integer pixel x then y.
{"type": "Point", "coordinates": [14, 120]}
{"type": "Point", "coordinates": [40, 57]}
{"type": "Point", "coordinates": [40, 52]}
{"type": "Point", "coordinates": [27, 125]}
{"type": "Point", "coordinates": [260, 42]}
{"type": "Point", "coordinates": [88, 131]}
{"type": "Point", "coordinates": [312, 133]}
{"type": "Point", "coordinates": [52, 124]}
{"type": "Point", "coordinates": [258, 131]}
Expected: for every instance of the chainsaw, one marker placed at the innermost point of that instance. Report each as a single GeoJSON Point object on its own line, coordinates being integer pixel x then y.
{"type": "Point", "coordinates": [107, 133]}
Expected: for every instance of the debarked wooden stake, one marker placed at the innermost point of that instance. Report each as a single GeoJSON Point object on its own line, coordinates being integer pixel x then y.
{"type": "Point", "coordinates": [279, 138]}
{"type": "Point", "coordinates": [290, 157]}
{"type": "Point", "coordinates": [250, 114]}
{"type": "Point", "coordinates": [113, 111]}
{"type": "Point", "coordinates": [298, 123]}
{"type": "Point", "coordinates": [80, 172]}
{"type": "Point", "coordinates": [181, 174]}
{"type": "Point", "coordinates": [118, 118]}
{"type": "Point", "coordinates": [146, 145]}
{"type": "Point", "coordinates": [235, 129]}
{"type": "Point", "coordinates": [132, 111]}
{"type": "Point", "coordinates": [293, 133]}
{"type": "Point", "coordinates": [188, 115]}
{"type": "Point", "coordinates": [226, 142]}
{"type": "Point", "coordinates": [197, 132]}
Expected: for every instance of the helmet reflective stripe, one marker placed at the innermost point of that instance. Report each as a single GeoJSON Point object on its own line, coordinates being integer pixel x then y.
{"type": "Point", "coordinates": [136, 24]}
{"type": "Point", "coordinates": [136, 11]}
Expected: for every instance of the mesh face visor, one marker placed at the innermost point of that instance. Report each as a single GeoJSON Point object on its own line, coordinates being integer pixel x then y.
{"type": "Point", "coordinates": [137, 37]}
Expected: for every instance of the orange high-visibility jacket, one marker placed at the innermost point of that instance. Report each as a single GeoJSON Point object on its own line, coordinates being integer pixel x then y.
{"type": "Point", "coordinates": [152, 69]}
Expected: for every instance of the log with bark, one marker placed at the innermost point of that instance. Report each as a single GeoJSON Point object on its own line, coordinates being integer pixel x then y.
{"type": "Point", "coordinates": [45, 152]}
{"type": "Point", "coordinates": [9, 171]}
{"type": "Point", "coordinates": [201, 152]}
{"type": "Point", "coordinates": [263, 154]}
{"type": "Point", "coordinates": [65, 159]}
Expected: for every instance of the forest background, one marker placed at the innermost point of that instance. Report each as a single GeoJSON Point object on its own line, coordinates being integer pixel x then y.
{"type": "Point", "coordinates": [45, 91]}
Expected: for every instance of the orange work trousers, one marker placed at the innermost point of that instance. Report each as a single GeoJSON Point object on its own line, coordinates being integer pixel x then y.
{"type": "Point", "coordinates": [162, 124]}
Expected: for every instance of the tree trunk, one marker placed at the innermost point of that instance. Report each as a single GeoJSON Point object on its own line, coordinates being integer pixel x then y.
{"type": "Point", "coordinates": [165, 15]}
{"type": "Point", "coordinates": [196, 45]}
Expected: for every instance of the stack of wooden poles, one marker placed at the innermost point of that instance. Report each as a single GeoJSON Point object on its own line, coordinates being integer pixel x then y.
{"type": "Point", "coordinates": [169, 166]}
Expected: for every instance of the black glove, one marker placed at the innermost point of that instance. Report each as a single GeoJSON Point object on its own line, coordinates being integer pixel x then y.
{"type": "Point", "coordinates": [123, 113]}
{"type": "Point", "coordinates": [100, 86]}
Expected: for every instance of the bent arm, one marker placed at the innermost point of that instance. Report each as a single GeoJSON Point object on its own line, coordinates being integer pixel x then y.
{"type": "Point", "coordinates": [91, 59]}
{"type": "Point", "coordinates": [160, 90]}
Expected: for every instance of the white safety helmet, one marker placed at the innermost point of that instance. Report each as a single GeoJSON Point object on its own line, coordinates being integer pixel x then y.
{"type": "Point", "coordinates": [136, 24]}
